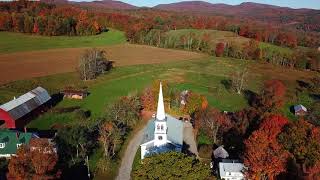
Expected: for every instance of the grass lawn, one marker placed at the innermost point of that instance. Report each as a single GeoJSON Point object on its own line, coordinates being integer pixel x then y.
{"type": "Point", "coordinates": [47, 120]}
{"type": "Point", "coordinates": [15, 42]}
{"type": "Point", "coordinates": [203, 139]}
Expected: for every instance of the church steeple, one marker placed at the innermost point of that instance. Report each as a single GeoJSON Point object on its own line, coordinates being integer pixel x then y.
{"type": "Point", "coordinates": [160, 131]}
{"type": "Point", "coordinates": [160, 109]}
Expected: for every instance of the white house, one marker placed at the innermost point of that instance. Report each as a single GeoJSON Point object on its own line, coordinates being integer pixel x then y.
{"type": "Point", "coordinates": [163, 133]}
{"type": "Point", "coordinates": [231, 170]}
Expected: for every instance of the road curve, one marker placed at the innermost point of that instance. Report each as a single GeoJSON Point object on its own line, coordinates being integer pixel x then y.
{"type": "Point", "coordinates": [127, 159]}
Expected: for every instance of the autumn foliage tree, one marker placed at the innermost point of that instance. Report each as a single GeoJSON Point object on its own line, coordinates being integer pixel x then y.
{"type": "Point", "coordinates": [20, 166]}
{"type": "Point", "coordinates": [149, 96]}
{"type": "Point", "coordinates": [220, 49]}
{"type": "Point", "coordinates": [213, 122]}
{"type": "Point", "coordinates": [195, 102]}
{"type": "Point", "coordinates": [37, 161]}
{"type": "Point", "coordinates": [302, 140]}
{"type": "Point", "coordinates": [264, 156]}
{"type": "Point", "coordinates": [271, 98]}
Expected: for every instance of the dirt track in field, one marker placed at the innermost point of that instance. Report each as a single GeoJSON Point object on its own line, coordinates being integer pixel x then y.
{"type": "Point", "coordinates": [24, 65]}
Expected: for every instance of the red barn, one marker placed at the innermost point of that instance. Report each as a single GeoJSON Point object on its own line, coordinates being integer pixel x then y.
{"type": "Point", "coordinates": [13, 112]}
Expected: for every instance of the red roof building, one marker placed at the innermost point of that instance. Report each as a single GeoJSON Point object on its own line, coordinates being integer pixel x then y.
{"type": "Point", "coordinates": [13, 112]}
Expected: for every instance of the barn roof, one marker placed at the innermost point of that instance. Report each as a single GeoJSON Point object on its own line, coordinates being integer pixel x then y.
{"type": "Point", "coordinates": [24, 104]}
{"type": "Point", "coordinates": [175, 130]}
{"type": "Point", "coordinates": [300, 107]}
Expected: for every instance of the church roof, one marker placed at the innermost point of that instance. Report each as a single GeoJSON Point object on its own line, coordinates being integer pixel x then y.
{"type": "Point", "coordinates": [175, 130]}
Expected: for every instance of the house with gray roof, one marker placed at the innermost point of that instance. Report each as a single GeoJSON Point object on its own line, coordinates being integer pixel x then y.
{"type": "Point", "coordinates": [163, 133]}
{"type": "Point", "coordinates": [231, 170]}
{"type": "Point", "coordinates": [300, 110]}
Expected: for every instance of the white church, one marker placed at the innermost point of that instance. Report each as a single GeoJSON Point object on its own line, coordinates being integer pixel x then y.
{"type": "Point", "coordinates": [164, 133]}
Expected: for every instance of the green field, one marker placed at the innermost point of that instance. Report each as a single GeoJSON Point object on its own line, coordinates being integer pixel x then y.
{"type": "Point", "coordinates": [204, 76]}
{"type": "Point", "coordinates": [16, 42]}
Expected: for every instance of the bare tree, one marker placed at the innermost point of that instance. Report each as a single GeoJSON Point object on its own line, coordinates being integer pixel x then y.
{"type": "Point", "coordinates": [92, 63]}
{"type": "Point", "coordinates": [213, 122]}
{"type": "Point", "coordinates": [239, 79]}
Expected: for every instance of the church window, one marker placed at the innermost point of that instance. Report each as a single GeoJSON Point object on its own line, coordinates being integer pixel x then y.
{"type": "Point", "coordinates": [158, 127]}
{"type": "Point", "coordinates": [160, 137]}
{"type": "Point", "coordinates": [161, 127]}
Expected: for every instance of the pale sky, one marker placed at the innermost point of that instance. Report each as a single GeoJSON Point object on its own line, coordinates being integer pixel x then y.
{"type": "Point", "coordinates": [314, 4]}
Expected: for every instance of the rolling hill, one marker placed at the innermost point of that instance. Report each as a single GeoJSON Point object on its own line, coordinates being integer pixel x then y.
{"type": "Point", "coordinates": [108, 4]}
{"type": "Point", "coordinates": [261, 12]}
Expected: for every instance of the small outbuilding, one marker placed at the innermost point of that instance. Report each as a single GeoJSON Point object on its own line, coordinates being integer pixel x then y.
{"type": "Point", "coordinates": [75, 94]}
{"type": "Point", "coordinates": [13, 112]}
{"type": "Point", "coordinates": [220, 152]}
{"type": "Point", "coordinates": [300, 110]}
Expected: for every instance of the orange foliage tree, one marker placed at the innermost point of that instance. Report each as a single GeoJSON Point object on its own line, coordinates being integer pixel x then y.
{"type": "Point", "coordinates": [264, 156]}
{"type": "Point", "coordinates": [220, 49]}
{"type": "Point", "coordinates": [213, 122]}
{"type": "Point", "coordinates": [43, 157]}
{"type": "Point", "coordinates": [20, 166]}
{"type": "Point", "coordinates": [272, 97]}
{"type": "Point", "coordinates": [37, 160]}
{"type": "Point", "coordinates": [302, 140]}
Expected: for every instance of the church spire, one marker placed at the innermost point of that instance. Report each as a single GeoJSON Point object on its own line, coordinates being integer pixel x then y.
{"type": "Point", "coordinates": [160, 110]}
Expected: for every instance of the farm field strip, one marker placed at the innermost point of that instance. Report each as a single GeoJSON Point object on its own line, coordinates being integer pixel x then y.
{"type": "Point", "coordinates": [24, 65]}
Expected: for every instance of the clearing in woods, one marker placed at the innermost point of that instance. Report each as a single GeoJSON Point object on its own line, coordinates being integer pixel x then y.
{"type": "Point", "coordinates": [24, 65]}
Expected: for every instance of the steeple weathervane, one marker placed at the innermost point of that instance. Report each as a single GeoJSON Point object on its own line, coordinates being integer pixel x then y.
{"type": "Point", "coordinates": [160, 110]}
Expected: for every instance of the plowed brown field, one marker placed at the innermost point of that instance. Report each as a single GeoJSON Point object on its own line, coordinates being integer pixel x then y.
{"type": "Point", "coordinates": [24, 65]}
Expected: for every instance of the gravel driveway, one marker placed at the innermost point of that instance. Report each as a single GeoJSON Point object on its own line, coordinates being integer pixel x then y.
{"type": "Point", "coordinates": [127, 159]}
{"type": "Point", "coordinates": [188, 138]}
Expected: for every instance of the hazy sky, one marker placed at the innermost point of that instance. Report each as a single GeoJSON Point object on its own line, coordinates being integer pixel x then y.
{"type": "Point", "coordinates": [314, 4]}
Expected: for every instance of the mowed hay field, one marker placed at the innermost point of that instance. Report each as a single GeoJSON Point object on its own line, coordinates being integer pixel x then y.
{"type": "Point", "coordinates": [17, 42]}
{"type": "Point", "coordinates": [24, 65]}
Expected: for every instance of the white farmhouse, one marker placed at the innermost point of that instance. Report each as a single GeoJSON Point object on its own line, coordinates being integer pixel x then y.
{"type": "Point", "coordinates": [163, 133]}
{"type": "Point", "coordinates": [231, 170]}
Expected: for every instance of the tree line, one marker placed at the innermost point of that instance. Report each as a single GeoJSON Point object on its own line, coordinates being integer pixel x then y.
{"type": "Point", "coordinates": [47, 19]}
{"type": "Point", "coordinates": [252, 50]}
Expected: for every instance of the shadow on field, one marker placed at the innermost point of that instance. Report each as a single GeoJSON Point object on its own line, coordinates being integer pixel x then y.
{"type": "Point", "coordinates": [250, 96]}
{"type": "Point", "coordinates": [226, 83]}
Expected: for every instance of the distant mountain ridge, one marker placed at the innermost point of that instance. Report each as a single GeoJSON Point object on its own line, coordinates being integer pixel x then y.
{"type": "Point", "coordinates": [202, 6]}
{"type": "Point", "coordinates": [248, 10]}
{"type": "Point", "coordinates": [195, 6]}
{"type": "Point", "coordinates": [108, 4]}
{"type": "Point", "coordinates": [303, 18]}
